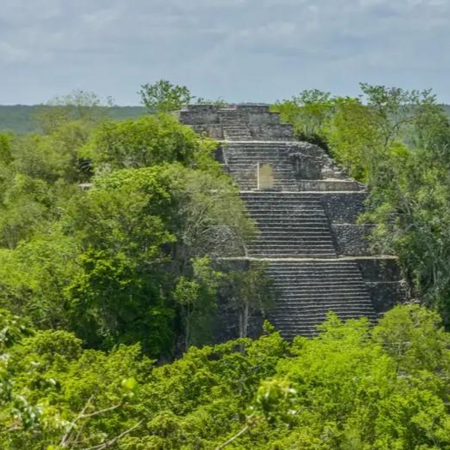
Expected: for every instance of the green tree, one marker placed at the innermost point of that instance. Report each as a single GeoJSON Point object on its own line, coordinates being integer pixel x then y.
{"type": "Point", "coordinates": [353, 137]}
{"type": "Point", "coordinates": [78, 106]}
{"type": "Point", "coordinates": [351, 387]}
{"type": "Point", "coordinates": [34, 278]}
{"type": "Point", "coordinates": [145, 142]}
{"type": "Point", "coordinates": [5, 149]}
{"type": "Point", "coordinates": [308, 112]}
{"type": "Point", "coordinates": [248, 290]}
{"type": "Point", "coordinates": [163, 96]}
{"type": "Point", "coordinates": [117, 296]}
{"type": "Point", "coordinates": [197, 298]}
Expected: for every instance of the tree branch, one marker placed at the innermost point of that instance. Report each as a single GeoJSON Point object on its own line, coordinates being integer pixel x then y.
{"type": "Point", "coordinates": [236, 436]}
{"type": "Point", "coordinates": [111, 442]}
{"type": "Point", "coordinates": [64, 440]}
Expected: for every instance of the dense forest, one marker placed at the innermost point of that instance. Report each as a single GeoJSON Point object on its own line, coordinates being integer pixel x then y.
{"type": "Point", "coordinates": [111, 239]}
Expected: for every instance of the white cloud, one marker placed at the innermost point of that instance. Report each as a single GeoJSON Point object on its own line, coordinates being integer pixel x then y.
{"type": "Point", "coordinates": [10, 54]}
{"type": "Point", "coordinates": [239, 49]}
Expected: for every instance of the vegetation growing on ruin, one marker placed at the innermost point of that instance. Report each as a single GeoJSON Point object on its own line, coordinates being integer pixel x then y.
{"type": "Point", "coordinates": [397, 142]}
{"type": "Point", "coordinates": [110, 236]}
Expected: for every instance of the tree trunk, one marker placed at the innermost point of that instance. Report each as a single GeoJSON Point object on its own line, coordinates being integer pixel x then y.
{"type": "Point", "coordinates": [243, 321]}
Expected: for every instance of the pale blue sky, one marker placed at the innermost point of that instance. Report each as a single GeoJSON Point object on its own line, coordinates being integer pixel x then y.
{"type": "Point", "coordinates": [240, 50]}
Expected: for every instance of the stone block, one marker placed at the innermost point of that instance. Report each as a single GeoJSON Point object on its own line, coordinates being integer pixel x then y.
{"type": "Point", "coordinates": [351, 239]}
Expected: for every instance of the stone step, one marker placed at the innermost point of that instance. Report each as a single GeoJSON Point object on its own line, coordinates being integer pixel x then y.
{"type": "Point", "coordinates": [317, 315]}
{"type": "Point", "coordinates": [306, 324]}
{"type": "Point", "coordinates": [320, 310]}
{"type": "Point", "coordinates": [277, 158]}
{"type": "Point", "coordinates": [294, 226]}
{"type": "Point", "coordinates": [303, 252]}
{"type": "Point", "coordinates": [302, 300]}
{"type": "Point", "coordinates": [293, 277]}
{"type": "Point", "coordinates": [309, 268]}
{"type": "Point", "coordinates": [280, 268]}
{"type": "Point", "coordinates": [293, 280]}
{"type": "Point", "coordinates": [280, 169]}
{"type": "Point", "coordinates": [281, 208]}
{"type": "Point", "coordinates": [293, 254]}
{"type": "Point", "coordinates": [293, 216]}
{"type": "Point", "coordinates": [310, 204]}
{"type": "Point", "coordinates": [321, 295]}
{"type": "Point", "coordinates": [307, 205]}
{"type": "Point", "coordinates": [291, 231]}
{"type": "Point", "coordinates": [322, 305]}
{"type": "Point", "coordinates": [282, 195]}
{"type": "Point", "coordinates": [267, 196]}
{"type": "Point", "coordinates": [304, 303]}
{"type": "Point", "coordinates": [283, 220]}
{"type": "Point", "coordinates": [288, 214]}
{"type": "Point", "coordinates": [286, 208]}
{"type": "Point", "coordinates": [296, 241]}
{"type": "Point", "coordinates": [267, 245]}
{"type": "Point", "coordinates": [326, 284]}
{"type": "Point", "coordinates": [293, 237]}
{"type": "Point", "coordinates": [275, 197]}
{"type": "Point", "coordinates": [314, 276]}
{"type": "Point", "coordinates": [267, 233]}
{"type": "Point", "coordinates": [240, 162]}
{"type": "Point", "coordinates": [307, 290]}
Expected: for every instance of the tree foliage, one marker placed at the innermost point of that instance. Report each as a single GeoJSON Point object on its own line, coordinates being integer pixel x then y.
{"type": "Point", "coordinates": [111, 263]}
{"type": "Point", "coordinates": [308, 112]}
{"type": "Point", "coordinates": [78, 106]}
{"type": "Point", "coordinates": [398, 142]}
{"type": "Point", "coordinates": [350, 387]}
{"type": "Point", "coordinates": [163, 96]}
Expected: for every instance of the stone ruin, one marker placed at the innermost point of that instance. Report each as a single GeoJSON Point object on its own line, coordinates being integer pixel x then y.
{"type": "Point", "coordinates": [306, 209]}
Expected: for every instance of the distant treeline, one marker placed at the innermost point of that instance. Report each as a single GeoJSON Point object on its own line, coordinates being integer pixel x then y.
{"type": "Point", "coordinates": [21, 118]}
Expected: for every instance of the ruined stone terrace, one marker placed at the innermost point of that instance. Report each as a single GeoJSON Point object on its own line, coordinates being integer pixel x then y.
{"type": "Point", "coordinates": [307, 211]}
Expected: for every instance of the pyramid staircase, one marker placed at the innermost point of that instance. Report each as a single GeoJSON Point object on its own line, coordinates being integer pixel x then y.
{"type": "Point", "coordinates": [292, 225]}
{"type": "Point", "coordinates": [233, 128]}
{"type": "Point", "coordinates": [308, 290]}
{"type": "Point", "coordinates": [309, 278]}
{"type": "Point", "coordinates": [243, 159]}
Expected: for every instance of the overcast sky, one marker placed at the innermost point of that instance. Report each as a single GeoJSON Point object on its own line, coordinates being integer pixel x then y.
{"type": "Point", "coordinates": [240, 50]}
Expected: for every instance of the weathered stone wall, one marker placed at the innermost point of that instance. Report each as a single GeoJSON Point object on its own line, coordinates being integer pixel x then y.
{"type": "Point", "coordinates": [352, 239]}
{"type": "Point", "coordinates": [276, 132]}
{"type": "Point", "coordinates": [260, 122]}
{"type": "Point", "coordinates": [343, 210]}
{"type": "Point", "coordinates": [383, 281]}
{"type": "Point", "coordinates": [199, 115]}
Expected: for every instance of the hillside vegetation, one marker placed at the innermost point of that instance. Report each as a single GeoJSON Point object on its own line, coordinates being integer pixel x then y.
{"type": "Point", "coordinates": [21, 119]}
{"type": "Point", "coordinates": [111, 239]}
